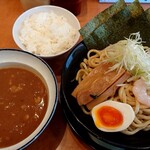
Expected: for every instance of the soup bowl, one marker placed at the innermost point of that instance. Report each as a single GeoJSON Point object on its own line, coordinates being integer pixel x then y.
{"type": "Point", "coordinates": [16, 59]}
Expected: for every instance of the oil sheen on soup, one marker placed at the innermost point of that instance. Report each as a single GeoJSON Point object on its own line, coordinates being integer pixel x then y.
{"type": "Point", "coordinates": [23, 104]}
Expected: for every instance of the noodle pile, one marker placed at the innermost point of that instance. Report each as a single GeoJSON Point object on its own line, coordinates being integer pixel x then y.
{"type": "Point", "coordinates": [124, 93]}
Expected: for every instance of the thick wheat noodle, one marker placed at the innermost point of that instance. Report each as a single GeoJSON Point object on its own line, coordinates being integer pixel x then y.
{"type": "Point", "coordinates": [142, 119]}
{"type": "Point", "coordinates": [81, 74]}
{"type": "Point", "coordinates": [88, 64]}
{"type": "Point", "coordinates": [124, 95]}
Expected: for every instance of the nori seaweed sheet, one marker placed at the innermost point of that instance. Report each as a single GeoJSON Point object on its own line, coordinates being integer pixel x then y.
{"type": "Point", "coordinates": [140, 24]}
{"type": "Point", "coordinates": [102, 17]}
{"type": "Point", "coordinates": [143, 25]}
{"type": "Point", "coordinates": [86, 30]}
{"type": "Point", "coordinates": [129, 20]}
{"type": "Point", "coordinates": [118, 27]}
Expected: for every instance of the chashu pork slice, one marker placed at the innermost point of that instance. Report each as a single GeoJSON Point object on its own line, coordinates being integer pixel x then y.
{"type": "Point", "coordinates": [109, 92]}
{"type": "Point", "coordinates": [97, 81]}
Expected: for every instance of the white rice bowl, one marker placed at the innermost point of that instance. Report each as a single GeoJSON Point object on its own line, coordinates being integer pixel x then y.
{"type": "Point", "coordinates": [46, 31]}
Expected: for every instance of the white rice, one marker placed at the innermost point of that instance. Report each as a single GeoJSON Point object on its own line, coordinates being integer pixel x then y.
{"type": "Point", "coordinates": [47, 34]}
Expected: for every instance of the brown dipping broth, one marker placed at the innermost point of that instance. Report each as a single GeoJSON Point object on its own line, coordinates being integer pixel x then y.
{"type": "Point", "coordinates": [23, 104]}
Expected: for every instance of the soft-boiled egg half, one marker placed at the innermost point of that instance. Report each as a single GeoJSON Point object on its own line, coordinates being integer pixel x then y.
{"type": "Point", "coordinates": [112, 116]}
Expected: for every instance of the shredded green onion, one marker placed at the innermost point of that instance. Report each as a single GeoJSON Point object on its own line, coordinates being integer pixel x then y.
{"type": "Point", "coordinates": [131, 55]}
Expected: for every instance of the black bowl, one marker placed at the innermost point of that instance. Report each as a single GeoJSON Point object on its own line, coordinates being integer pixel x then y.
{"type": "Point", "coordinates": [140, 140]}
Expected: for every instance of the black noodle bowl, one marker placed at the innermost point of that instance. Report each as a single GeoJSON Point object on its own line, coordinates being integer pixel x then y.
{"type": "Point", "coordinates": [140, 140]}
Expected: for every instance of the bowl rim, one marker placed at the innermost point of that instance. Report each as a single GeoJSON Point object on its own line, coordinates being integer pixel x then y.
{"type": "Point", "coordinates": [31, 139]}
{"type": "Point", "coordinates": [43, 8]}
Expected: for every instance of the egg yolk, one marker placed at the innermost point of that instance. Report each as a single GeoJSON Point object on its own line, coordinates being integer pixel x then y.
{"type": "Point", "coordinates": [108, 116]}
